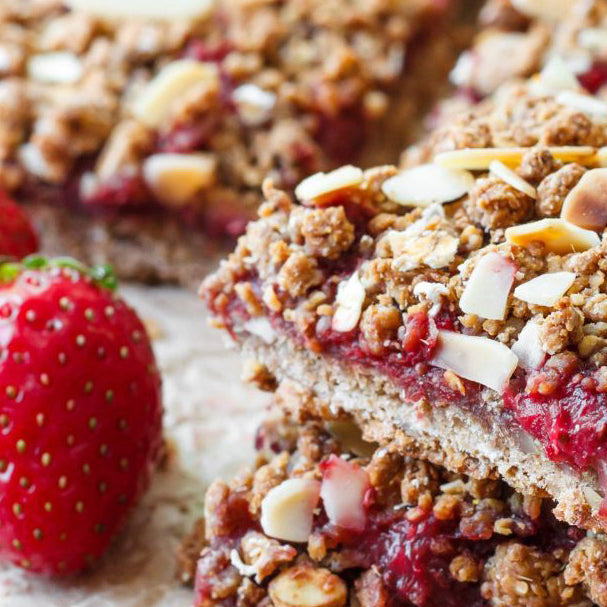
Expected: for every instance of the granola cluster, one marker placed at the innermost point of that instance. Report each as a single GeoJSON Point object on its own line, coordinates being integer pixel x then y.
{"type": "Point", "coordinates": [503, 548]}
{"type": "Point", "coordinates": [250, 89]}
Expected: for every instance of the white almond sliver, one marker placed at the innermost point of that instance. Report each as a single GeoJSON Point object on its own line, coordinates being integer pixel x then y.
{"type": "Point", "coordinates": [155, 102]}
{"type": "Point", "coordinates": [479, 159]}
{"type": "Point", "coordinates": [144, 9]}
{"type": "Point", "coordinates": [320, 184]}
{"type": "Point", "coordinates": [555, 76]}
{"type": "Point", "coordinates": [586, 203]}
{"type": "Point", "coordinates": [559, 236]}
{"type": "Point", "coordinates": [479, 359]}
{"type": "Point", "coordinates": [545, 290]}
{"type": "Point", "coordinates": [350, 298]}
{"type": "Point", "coordinates": [461, 74]}
{"type": "Point", "coordinates": [582, 102]}
{"type": "Point", "coordinates": [287, 511]}
{"type": "Point", "coordinates": [553, 10]}
{"type": "Point", "coordinates": [261, 327]}
{"type": "Point", "coordinates": [176, 178]}
{"type": "Point", "coordinates": [253, 103]}
{"type": "Point", "coordinates": [307, 586]}
{"type": "Point", "coordinates": [58, 67]}
{"type": "Point", "coordinates": [500, 170]}
{"type": "Point", "coordinates": [593, 39]}
{"type": "Point", "coordinates": [343, 490]}
{"type": "Point", "coordinates": [487, 290]}
{"type": "Point", "coordinates": [528, 347]}
{"type": "Point", "coordinates": [428, 184]}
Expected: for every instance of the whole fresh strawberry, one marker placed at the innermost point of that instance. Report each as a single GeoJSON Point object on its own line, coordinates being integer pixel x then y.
{"type": "Point", "coordinates": [80, 413]}
{"type": "Point", "coordinates": [17, 236]}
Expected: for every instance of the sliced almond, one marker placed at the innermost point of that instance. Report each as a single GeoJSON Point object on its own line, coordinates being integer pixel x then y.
{"type": "Point", "coordinates": [431, 291]}
{"type": "Point", "coordinates": [487, 290]}
{"type": "Point", "coordinates": [58, 67]}
{"type": "Point", "coordinates": [287, 511]}
{"type": "Point", "coordinates": [559, 236]}
{"type": "Point", "coordinates": [176, 178]}
{"type": "Point", "coordinates": [528, 347]}
{"type": "Point", "coordinates": [144, 9]}
{"type": "Point", "coordinates": [479, 159]}
{"type": "Point", "coordinates": [254, 105]}
{"type": "Point", "coordinates": [553, 10]}
{"type": "Point", "coordinates": [462, 72]}
{"type": "Point", "coordinates": [583, 103]}
{"type": "Point", "coordinates": [593, 39]}
{"type": "Point", "coordinates": [155, 102]}
{"type": "Point", "coordinates": [586, 203]}
{"type": "Point", "coordinates": [555, 76]}
{"type": "Point", "coordinates": [305, 586]}
{"type": "Point", "coordinates": [545, 290]}
{"type": "Point", "coordinates": [507, 175]}
{"type": "Point", "coordinates": [343, 490]}
{"type": "Point", "coordinates": [435, 249]}
{"type": "Point", "coordinates": [479, 359]}
{"type": "Point", "coordinates": [320, 184]}
{"type": "Point", "coordinates": [350, 298]}
{"type": "Point", "coordinates": [262, 328]}
{"type": "Point", "coordinates": [428, 184]}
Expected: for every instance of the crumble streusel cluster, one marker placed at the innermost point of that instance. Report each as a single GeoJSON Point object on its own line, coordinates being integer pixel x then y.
{"type": "Point", "coordinates": [241, 92]}
{"type": "Point", "coordinates": [503, 548]}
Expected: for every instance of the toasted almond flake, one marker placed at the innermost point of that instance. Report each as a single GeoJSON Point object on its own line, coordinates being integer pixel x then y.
{"type": "Point", "coordinates": [555, 76]}
{"type": "Point", "coordinates": [288, 509]}
{"type": "Point", "coordinates": [144, 9]}
{"type": "Point", "coordinates": [428, 184]}
{"type": "Point", "coordinates": [435, 249]}
{"type": "Point", "coordinates": [553, 10]}
{"type": "Point", "coordinates": [479, 159]}
{"type": "Point", "coordinates": [500, 170]}
{"type": "Point", "coordinates": [254, 105]}
{"type": "Point", "coordinates": [582, 102]}
{"type": "Point", "coordinates": [350, 298]}
{"type": "Point", "coordinates": [343, 489]}
{"type": "Point", "coordinates": [177, 178]}
{"type": "Point", "coordinates": [487, 290]}
{"type": "Point", "coordinates": [528, 346]}
{"type": "Point", "coordinates": [155, 102]}
{"type": "Point", "coordinates": [546, 289]}
{"type": "Point", "coordinates": [60, 67]}
{"type": "Point", "coordinates": [593, 39]}
{"type": "Point", "coordinates": [559, 236]}
{"type": "Point", "coordinates": [321, 184]}
{"type": "Point", "coordinates": [307, 586]}
{"type": "Point", "coordinates": [261, 328]}
{"type": "Point", "coordinates": [593, 498]}
{"type": "Point", "coordinates": [586, 203]}
{"type": "Point", "coordinates": [461, 73]}
{"type": "Point", "coordinates": [479, 359]}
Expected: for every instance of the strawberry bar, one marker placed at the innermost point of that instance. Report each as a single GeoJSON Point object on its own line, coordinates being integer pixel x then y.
{"type": "Point", "coordinates": [134, 128]}
{"type": "Point", "coordinates": [329, 519]}
{"type": "Point", "coordinates": [461, 300]}
{"type": "Point", "coordinates": [521, 37]}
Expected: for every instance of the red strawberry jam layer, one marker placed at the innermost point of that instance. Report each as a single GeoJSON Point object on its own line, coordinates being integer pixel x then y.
{"type": "Point", "coordinates": [562, 405]}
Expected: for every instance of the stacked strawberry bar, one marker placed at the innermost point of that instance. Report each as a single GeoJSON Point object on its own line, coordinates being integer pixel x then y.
{"type": "Point", "coordinates": [329, 518]}
{"type": "Point", "coordinates": [459, 302]}
{"type": "Point", "coordinates": [134, 128]}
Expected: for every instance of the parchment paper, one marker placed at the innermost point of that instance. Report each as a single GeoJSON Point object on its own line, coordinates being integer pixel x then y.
{"type": "Point", "coordinates": [210, 417]}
